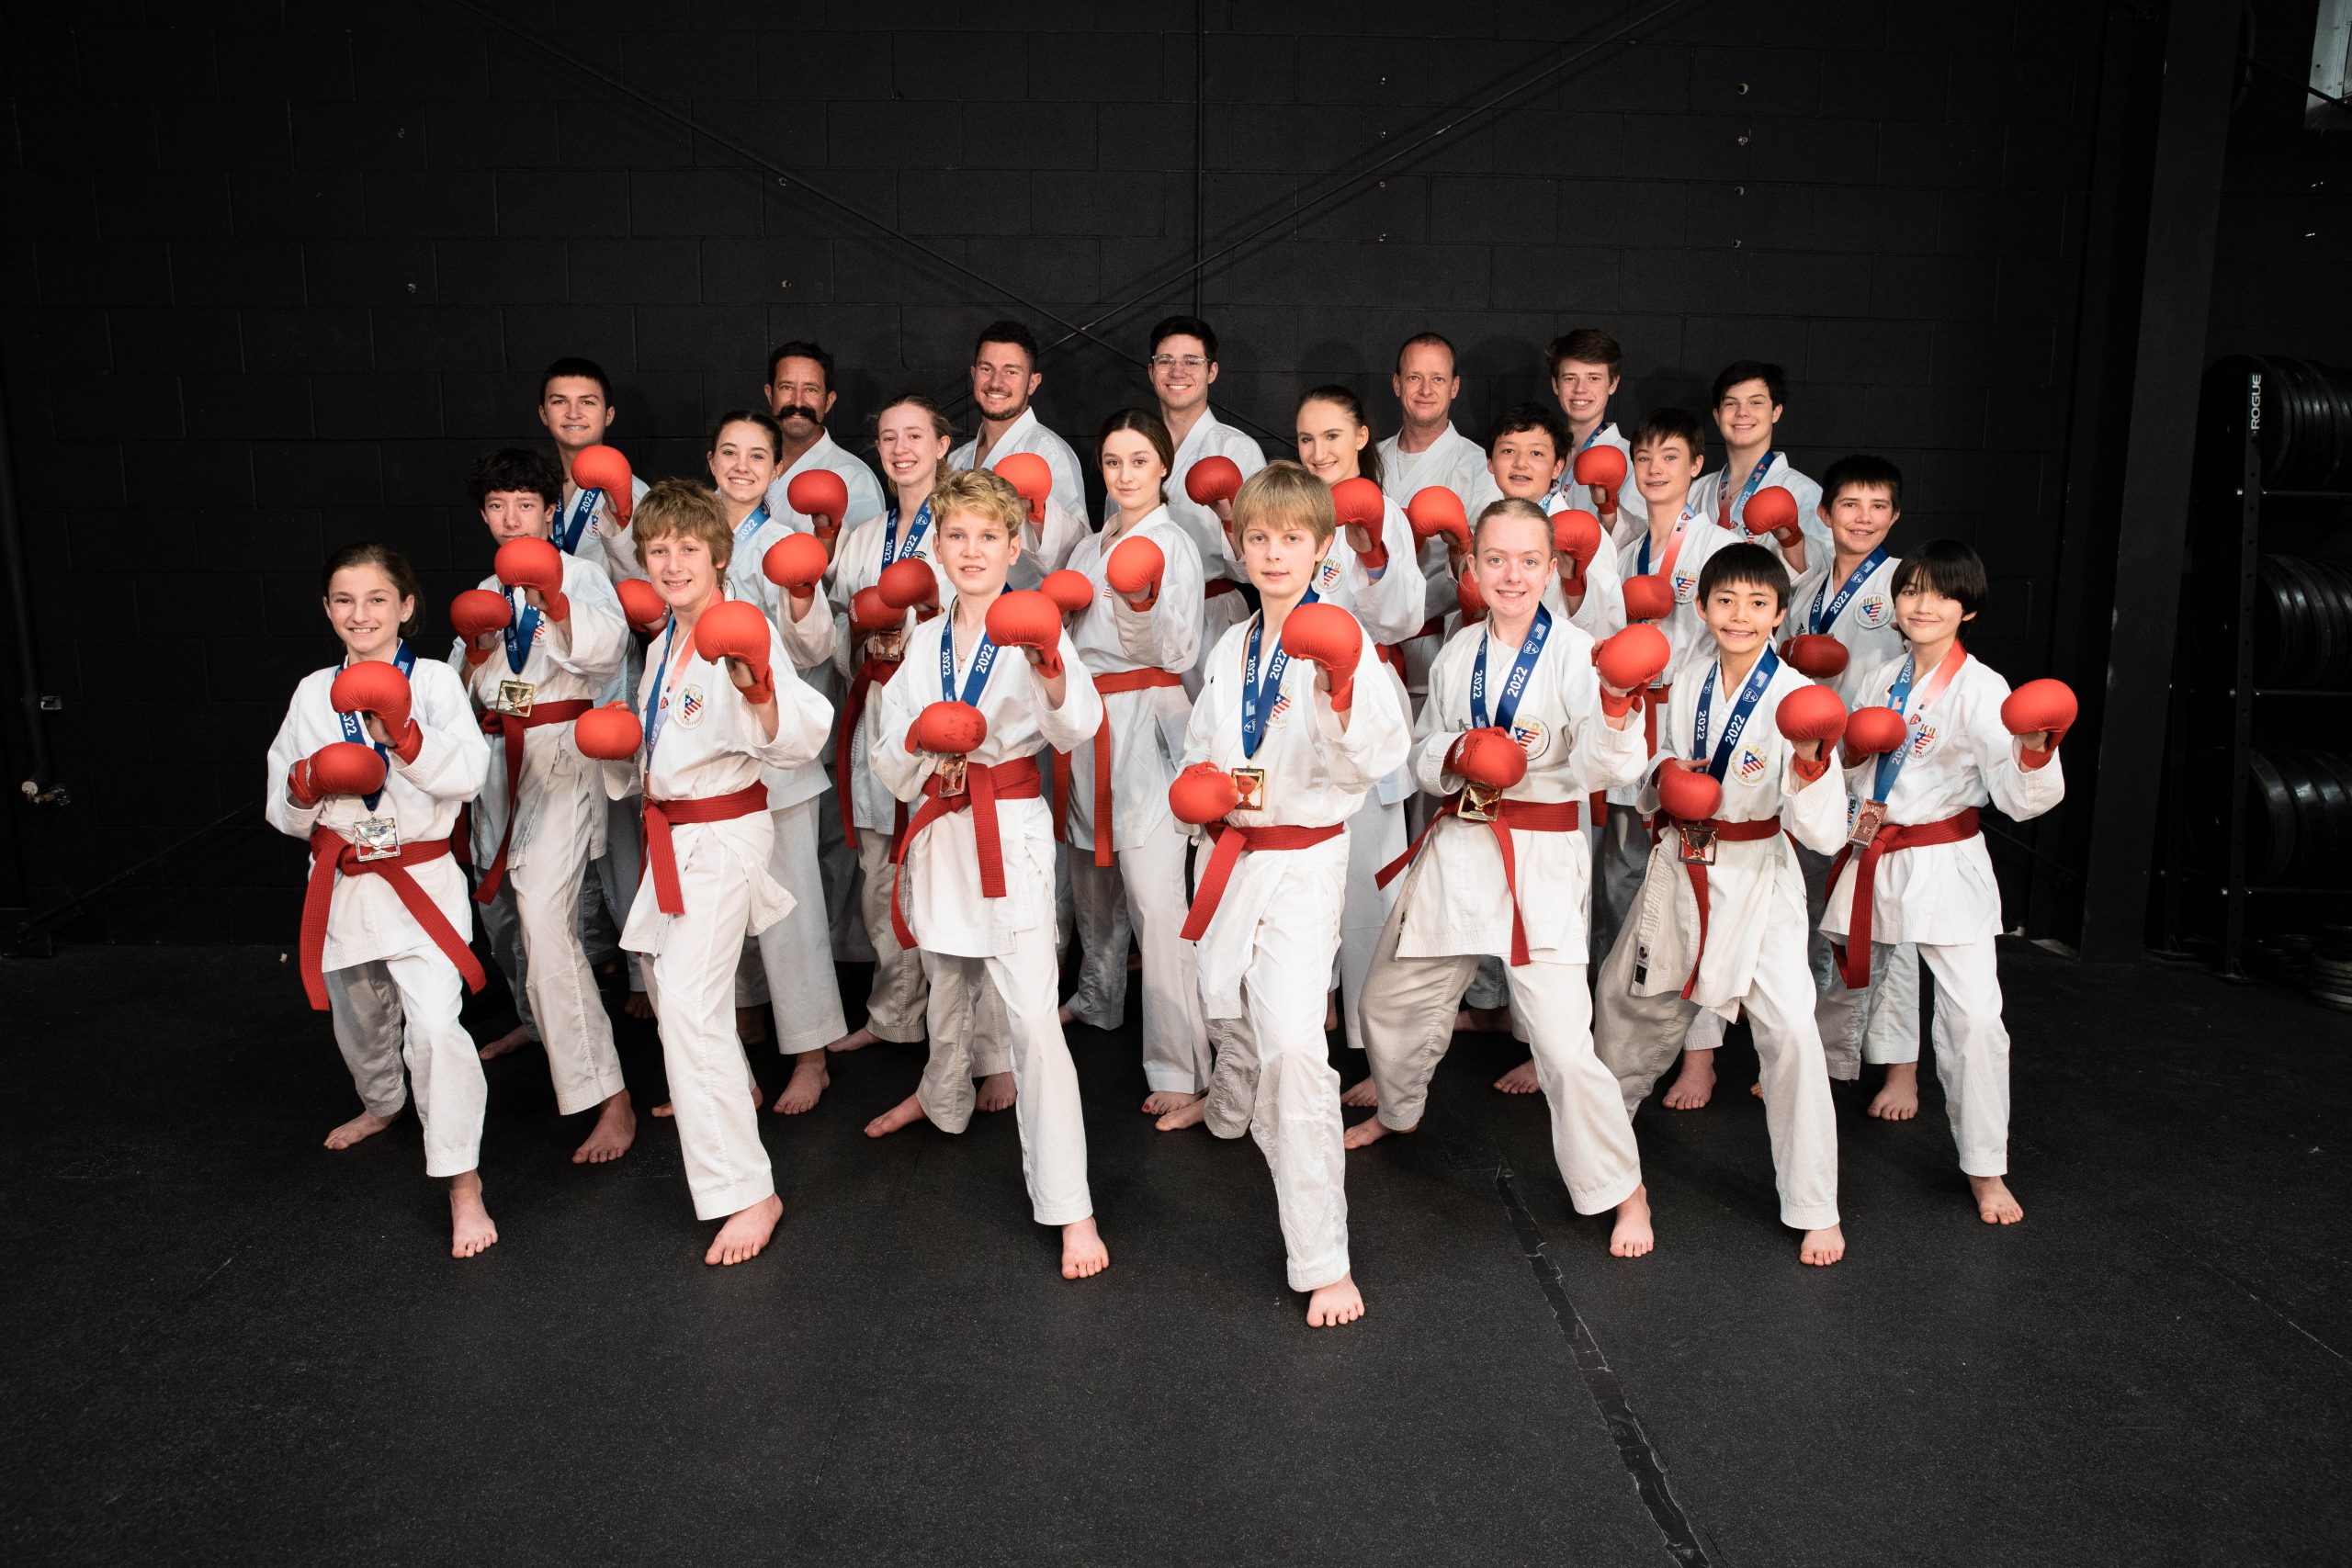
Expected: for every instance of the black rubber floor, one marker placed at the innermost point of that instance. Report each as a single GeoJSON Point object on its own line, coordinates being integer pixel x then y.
{"type": "Point", "coordinates": [227, 1345]}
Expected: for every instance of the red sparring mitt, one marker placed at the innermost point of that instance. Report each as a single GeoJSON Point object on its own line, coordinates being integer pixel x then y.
{"type": "Point", "coordinates": [1649, 597]}
{"type": "Point", "coordinates": [1469, 600]}
{"type": "Point", "coordinates": [534, 563]}
{"type": "Point", "coordinates": [821, 496]}
{"type": "Point", "coordinates": [641, 604]}
{"type": "Point", "coordinates": [1212, 480]}
{"type": "Point", "coordinates": [340, 767]}
{"type": "Point", "coordinates": [906, 584]}
{"type": "Point", "coordinates": [1134, 571]}
{"type": "Point", "coordinates": [948, 729]}
{"type": "Point", "coordinates": [733, 629]}
{"type": "Point", "coordinates": [1025, 618]}
{"type": "Point", "coordinates": [1872, 731]}
{"type": "Point", "coordinates": [1687, 794]}
{"type": "Point", "coordinates": [474, 614]}
{"type": "Point", "coordinates": [609, 734]}
{"type": "Point", "coordinates": [1812, 712]}
{"type": "Point", "coordinates": [1774, 511]}
{"type": "Point", "coordinates": [1027, 473]}
{"type": "Point", "coordinates": [1202, 793]}
{"type": "Point", "coordinates": [869, 612]}
{"type": "Point", "coordinates": [603, 468]}
{"type": "Point", "coordinates": [2039, 706]}
{"type": "Point", "coordinates": [1812, 654]}
{"type": "Point", "coordinates": [1489, 757]}
{"type": "Point", "coordinates": [1629, 661]}
{"type": "Point", "coordinates": [795, 563]}
{"type": "Point", "coordinates": [1327, 636]}
{"type": "Point", "coordinates": [379, 688]}
{"type": "Point", "coordinates": [1436, 510]}
{"type": "Point", "coordinates": [1071, 591]}
{"type": "Point", "coordinates": [1602, 467]}
{"type": "Point", "coordinates": [1360, 504]}
{"type": "Point", "coordinates": [1576, 534]}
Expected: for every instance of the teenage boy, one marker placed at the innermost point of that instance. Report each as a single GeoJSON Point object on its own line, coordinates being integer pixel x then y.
{"type": "Point", "coordinates": [1183, 368]}
{"type": "Point", "coordinates": [1717, 927]}
{"type": "Point", "coordinates": [1750, 397]}
{"type": "Point", "coordinates": [1585, 367]}
{"type": "Point", "coordinates": [1526, 456]}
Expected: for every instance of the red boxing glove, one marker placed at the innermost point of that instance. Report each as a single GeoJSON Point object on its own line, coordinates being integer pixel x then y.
{"type": "Point", "coordinates": [603, 468]}
{"type": "Point", "coordinates": [345, 767]}
{"type": "Point", "coordinates": [2036, 708]}
{"type": "Point", "coordinates": [908, 584]}
{"type": "Point", "coordinates": [1648, 598]}
{"type": "Point", "coordinates": [1871, 731]}
{"type": "Point", "coordinates": [1358, 504]}
{"type": "Point", "coordinates": [948, 729]}
{"type": "Point", "coordinates": [379, 688]}
{"type": "Point", "coordinates": [821, 496]}
{"type": "Point", "coordinates": [1071, 591]}
{"type": "Point", "coordinates": [1202, 793]}
{"type": "Point", "coordinates": [1489, 757]}
{"type": "Point", "coordinates": [1469, 600]}
{"type": "Point", "coordinates": [795, 563]}
{"type": "Point", "coordinates": [1025, 618]}
{"type": "Point", "coordinates": [1602, 467]}
{"type": "Point", "coordinates": [1822, 658]}
{"type": "Point", "coordinates": [869, 612]}
{"type": "Point", "coordinates": [609, 734]}
{"type": "Point", "coordinates": [1436, 510]}
{"type": "Point", "coordinates": [733, 629]}
{"type": "Point", "coordinates": [534, 564]}
{"type": "Point", "coordinates": [1633, 659]}
{"type": "Point", "coordinates": [1576, 534]}
{"type": "Point", "coordinates": [1774, 511]}
{"type": "Point", "coordinates": [641, 606]}
{"type": "Point", "coordinates": [1687, 794]}
{"type": "Point", "coordinates": [1811, 713]}
{"type": "Point", "coordinates": [1326, 635]}
{"type": "Point", "coordinates": [1134, 571]}
{"type": "Point", "coordinates": [1028, 473]}
{"type": "Point", "coordinates": [474, 614]}
{"type": "Point", "coordinates": [1212, 480]}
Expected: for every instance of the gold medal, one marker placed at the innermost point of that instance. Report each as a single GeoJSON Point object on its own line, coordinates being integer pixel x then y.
{"type": "Point", "coordinates": [1698, 843]}
{"type": "Point", "coordinates": [1249, 786]}
{"type": "Point", "coordinates": [517, 696]}
{"type": "Point", "coordinates": [1867, 822]}
{"type": "Point", "coordinates": [951, 777]}
{"type": "Point", "coordinates": [1480, 803]}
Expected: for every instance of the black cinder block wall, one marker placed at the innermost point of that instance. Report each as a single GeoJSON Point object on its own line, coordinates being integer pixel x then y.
{"type": "Point", "coordinates": [274, 274]}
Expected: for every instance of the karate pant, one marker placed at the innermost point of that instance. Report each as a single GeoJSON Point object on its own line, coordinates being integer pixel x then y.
{"type": "Point", "coordinates": [893, 1003]}
{"type": "Point", "coordinates": [565, 1005]}
{"type": "Point", "coordinates": [1971, 1043]}
{"type": "Point", "coordinates": [844, 914]}
{"type": "Point", "coordinates": [406, 1008]}
{"type": "Point", "coordinates": [692, 983]}
{"type": "Point", "coordinates": [1639, 1037]}
{"type": "Point", "coordinates": [1026, 982]}
{"type": "Point", "coordinates": [1887, 1030]}
{"type": "Point", "coordinates": [1621, 858]}
{"type": "Point", "coordinates": [1274, 1077]}
{"type": "Point", "coordinates": [791, 963]}
{"type": "Point", "coordinates": [1375, 837]}
{"type": "Point", "coordinates": [1409, 1024]}
{"type": "Point", "coordinates": [1143, 895]}
{"type": "Point", "coordinates": [617, 872]}
{"type": "Point", "coordinates": [503, 928]}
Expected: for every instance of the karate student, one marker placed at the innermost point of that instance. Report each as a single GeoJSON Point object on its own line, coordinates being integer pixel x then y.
{"type": "Point", "coordinates": [1517, 732]}
{"type": "Point", "coordinates": [377, 792]}
{"type": "Point", "coordinates": [722, 706]}
{"type": "Point", "coordinates": [1923, 874]}
{"type": "Point", "coordinates": [962, 727]}
{"type": "Point", "coordinates": [548, 663]}
{"type": "Point", "coordinates": [1526, 456]}
{"type": "Point", "coordinates": [1141, 631]}
{"type": "Point", "coordinates": [1748, 400]}
{"type": "Point", "coordinates": [1585, 367]}
{"type": "Point", "coordinates": [1183, 368]}
{"type": "Point", "coordinates": [1427, 450]}
{"type": "Point", "coordinates": [1849, 598]}
{"type": "Point", "coordinates": [1286, 747]}
{"type": "Point", "coordinates": [792, 965]}
{"type": "Point", "coordinates": [1004, 378]}
{"type": "Point", "coordinates": [1720, 926]}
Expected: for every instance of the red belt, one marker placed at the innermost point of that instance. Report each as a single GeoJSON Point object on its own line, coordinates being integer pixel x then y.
{"type": "Point", "coordinates": [1726, 833]}
{"type": "Point", "coordinates": [1148, 678]}
{"type": "Point", "coordinates": [1523, 816]}
{"type": "Point", "coordinates": [331, 852]}
{"type": "Point", "coordinates": [1230, 842]}
{"type": "Point", "coordinates": [984, 786]}
{"type": "Point", "coordinates": [1653, 704]}
{"type": "Point", "coordinates": [1853, 955]}
{"type": "Point", "coordinates": [513, 728]}
{"type": "Point", "coordinates": [1216, 585]}
{"type": "Point", "coordinates": [871, 672]}
{"type": "Point", "coordinates": [661, 816]}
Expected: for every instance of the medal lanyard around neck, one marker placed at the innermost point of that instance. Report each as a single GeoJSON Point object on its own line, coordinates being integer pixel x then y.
{"type": "Point", "coordinates": [976, 680]}
{"type": "Point", "coordinates": [1898, 697]}
{"type": "Point", "coordinates": [893, 547]}
{"type": "Point", "coordinates": [1258, 698]}
{"type": "Point", "coordinates": [1673, 546]}
{"type": "Point", "coordinates": [1755, 482]}
{"type": "Point", "coordinates": [664, 677]}
{"type": "Point", "coordinates": [749, 526]}
{"type": "Point", "coordinates": [405, 663]}
{"type": "Point", "coordinates": [1515, 684]}
{"type": "Point", "coordinates": [574, 525]}
{"type": "Point", "coordinates": [1818, 620]}
{"type": "Point", "coordinates": [1742, 709]}
{"type": "Point", "coordinates": [522, 629]}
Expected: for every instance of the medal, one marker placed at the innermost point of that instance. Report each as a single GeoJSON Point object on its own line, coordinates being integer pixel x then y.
{"type": "Point", "coordinates": [516, 697]}
{"type": "Point", "coordinates": [375, 838]}
{"type": "Point", "coordinates": [950, 774]}
{"type": "Point", "coordinates": [1698, 843]}
{"type": "Point", "coordinates": [1480, 803]}
{"type": "Point", "coordinates": [1250, 786]}
{"type": "Point", "coordinates": [1868, 820]}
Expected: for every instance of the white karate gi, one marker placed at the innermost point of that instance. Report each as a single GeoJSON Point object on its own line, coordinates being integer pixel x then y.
{"type": "Point", "coordinates": [1270, 942]}
{"type": "Point", "coordinates": [1028, 433]}
{"type": "Point", "coordinates": [602, 539]}
{"type": "Point", "coordinates": [393, 994]}
{"type": "Point", "coordinates": [865, 494]}
{"type": "Point", "coordinates": [1943, 896]}
{"type": "Point", "coordinates": [559, 827]}
{"type": "Point", "coordinates": [971, 941]}
{"type": "Point", "coordinates": [1454, 907]}
{"type": "Point", "coordinates": [1633, 511]}
{"type": "Point", "coordinates": [1144, 893]}
{"type": "Point", "coordinates": [1707, 500]}
{"type": "Point", "coordinates": [709, 744]}
{"type": "Point", "coordinates": [1208, 439]}
{"type": "Point", "coordinates": [1459, 464]}
{"type": "Point", "coordinates": [1754, 954]}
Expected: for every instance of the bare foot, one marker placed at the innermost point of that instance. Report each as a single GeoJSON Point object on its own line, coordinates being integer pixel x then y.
{"type": "Point", "coordinates": [1521, 1079]}
{"type": "Point", "coordinates": [1822, 1247]}
{"type": "Point", "coordinates": [1160, 1101]}
{"type": "Point", "coordinates": [809, 1081]}
{"type": "Point", "coordinates": [1332, 1013]}
{"type": "Point", "coordinates": [1191, 1113]}
{"type": "Point", "coordinates": [1337, 1302]}
{"type": "Point", "coordinates": [1632, 1237]}
{"type": "Point", "coordinates": [638, 1005]}
{"type": "Point", "coordinates": [745, 1232]}
{"type": "Point", "coordinates": [367, 1124]}
{"type": "Point", "coordinates": [855, 1040]}
{"type": "Point", "coordinates": [1066, 1017]}
{"type": "Point", "coordinates": [1995, 1206]}
{"type": "Point", "coordinates": [996, 1092]}
{"type": "Point", "coordinates": [905, 1113]}
{"type": "Point", "coordinates": [1369, 1130]}
{"type": "Point", "coordinates": [470, 1227]}
{"type": "Point", "coordinates": [1083, 1253]}
{"type": "Point", "coordinates": [1898, 1098]}
{"type": "Point", "coordinates": [664, 1111]}
{"type": "Point", "coordinates": [1363, 1095]}
{"type": "Point", "coordinates": [615, 1129]}
{"type": "Point", "coordinates": [513, 1040]}
{"type": "Point", "coordinates": [751, 1028]}
{"type": "Point", "coordinates": [1695, 1085]}
{"type": "Point", "coordinates": [1756, 1091]}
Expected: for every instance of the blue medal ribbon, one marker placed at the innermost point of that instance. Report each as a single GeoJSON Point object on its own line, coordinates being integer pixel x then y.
{"type": "Point", "coordinates": [1755, 482]}
{"type": "Point", "coordinates": [1515, 684]}
{"type": "Point", "coordinates": [1743, 708]}
{"type": "Point", "coordinates": [894, 548]}
{"type": "Point", "coordinates": [659, 709]}
{"type": "Point", "coordinates": [1258, 698]}
{"type": "Point", "coordinates": [976, 680]}
{"type": "Point", "coordinates": [521, 629]}
{"type": "Point", "coordinates": [405, 663]}
{"type": "Point", "coordinates": [749, 526]}
{"type": "Point", "coordinates": [571, 528]}
{"type": "Point", "coordinates": [1898, 697]}
{"type": "Point", "coordinates": [1819, 620]}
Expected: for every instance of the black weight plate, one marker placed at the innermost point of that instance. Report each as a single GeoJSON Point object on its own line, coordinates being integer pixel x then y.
{"type": "Point", "coordinates": [2274, 439]}
{"type": "Point", "coordinates": [2296, 461]}
{"type": "Point", "coordinates": [2339, 391]}
{"type": "Point", "coordinates": [2327, 430]}
{"type": "Point", "coordinates": [2270, 825]}
{"type": "Point", "coordinates": [2336, 770]}
{"type": "Point", "coordinates": [2334, 586]}
{"type": "Point", "coordinates": [2330, 808]}
{"type": "Point", "coordinates": [2274, 612]}
{"type": "Point", "coordinates": [2318, 624]}
{"type": "Point", "coordinates": [2304, 794]}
